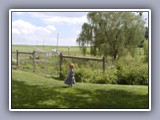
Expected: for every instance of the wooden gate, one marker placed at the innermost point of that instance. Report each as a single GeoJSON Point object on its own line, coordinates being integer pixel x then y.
{"type": "Point", "coordinates": [37, 61]}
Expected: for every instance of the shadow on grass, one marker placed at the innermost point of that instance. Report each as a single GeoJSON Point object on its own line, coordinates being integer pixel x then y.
{"type": "Point", "coordinates": [53, 77]}
{"type": "Point", "coordinates": [40, 97]}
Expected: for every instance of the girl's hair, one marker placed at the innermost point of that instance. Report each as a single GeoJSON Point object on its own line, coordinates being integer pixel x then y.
{"type": "Point", "coordinates": [71, 65]}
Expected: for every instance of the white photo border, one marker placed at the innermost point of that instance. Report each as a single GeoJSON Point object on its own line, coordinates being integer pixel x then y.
{"type": "Point", "coordinates": [77, 10]}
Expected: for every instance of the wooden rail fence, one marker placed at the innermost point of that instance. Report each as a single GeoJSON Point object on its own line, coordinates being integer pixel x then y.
{"type": "Point", "coordinates": [61, 56]}
{"type": "Point", "coordinates": [103, 59]}
{"type": "Point", "coordinates": [31, 53]}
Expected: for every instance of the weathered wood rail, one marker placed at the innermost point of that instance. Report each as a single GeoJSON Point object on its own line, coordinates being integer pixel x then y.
{"type": "Point", "coordinates": [34, 60]}
{"type": "Point", "coordinates": [103, 59]}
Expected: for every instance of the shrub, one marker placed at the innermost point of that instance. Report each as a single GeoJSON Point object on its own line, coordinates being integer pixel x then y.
{"type": "Point", "coordinates": [146, 54]}
{"type": "Point", "coordinates": [127, 71]}
{"type": "Point", "coordinates": [135, 73]}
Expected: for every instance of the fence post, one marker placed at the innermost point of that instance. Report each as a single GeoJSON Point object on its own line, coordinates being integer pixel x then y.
{"type": "Point", "coordinates": [104, 64]}
{"type": "Point", "coordinates": [68, 50]}
{"type": "Point", "coordinates": [60, 65]}
{"type": "Point", "coordinates": [34, 61]}
{"type": "Point", "coordinates": [45, 56]}
{"type": "Point", "coordinates": [17, 57]}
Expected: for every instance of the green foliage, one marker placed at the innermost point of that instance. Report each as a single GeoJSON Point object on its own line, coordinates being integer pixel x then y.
{"type": "Point", "coordinates": [112, 33]}
{"type": "Point", "coordinates": [147, 33]}
{"type": "Point", "coordinates": [134, 73]}
{"type": "Point", "coordinates": [128, 70]}
{"type": "Point", "coordinates": [146, 49]}
{"type": "Point", "coordinates": [84, 74]}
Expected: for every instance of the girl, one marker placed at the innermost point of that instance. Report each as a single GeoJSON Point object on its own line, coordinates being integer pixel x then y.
{"type": "Point", "coordinates": [70, 78]}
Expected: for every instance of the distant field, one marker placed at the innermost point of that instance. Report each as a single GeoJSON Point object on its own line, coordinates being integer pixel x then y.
{"type": "Point", "coordinates": [23, 48]}
{"type": "Point", "coordinates": [74, 50]}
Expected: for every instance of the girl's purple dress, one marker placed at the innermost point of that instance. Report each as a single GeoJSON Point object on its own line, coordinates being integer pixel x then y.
{"type": "Point", "coordinates": [69, 80]}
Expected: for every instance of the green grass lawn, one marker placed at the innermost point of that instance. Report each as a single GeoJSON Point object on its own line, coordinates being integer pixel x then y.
{"type": "Point", "coordinates": [35, 91]}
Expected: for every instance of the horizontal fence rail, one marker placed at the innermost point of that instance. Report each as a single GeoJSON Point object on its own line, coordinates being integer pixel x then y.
{"type": "Point", "coordinates": [25, 52]}
{"type": "Point", "coordinates": [42, 61]}
{"type": "Point", "coordinates": [80, 57]}
{"type": "Point", "coordinates": [46, 62]}
{"type": "Point", "coordinates": [103, 60]}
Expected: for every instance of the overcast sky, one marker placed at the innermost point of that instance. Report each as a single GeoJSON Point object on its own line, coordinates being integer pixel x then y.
{"type": "Point", "coordinates": [32, 28]}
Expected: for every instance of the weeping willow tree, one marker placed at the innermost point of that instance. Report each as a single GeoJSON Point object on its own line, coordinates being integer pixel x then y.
{"type": "Point", "coordinates": [111, 33]}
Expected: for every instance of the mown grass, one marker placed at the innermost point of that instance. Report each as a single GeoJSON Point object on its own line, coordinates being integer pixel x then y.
{"type": "Point", "coordinates": [33, 91]}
